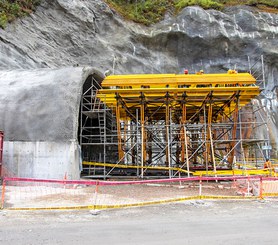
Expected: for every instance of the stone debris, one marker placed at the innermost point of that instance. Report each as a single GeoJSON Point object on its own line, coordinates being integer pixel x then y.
{"type": "Point", "coordinates": [94, 212]}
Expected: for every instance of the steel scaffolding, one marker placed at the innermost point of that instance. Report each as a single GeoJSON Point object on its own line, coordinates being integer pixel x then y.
{"type": "Point", "coordinates": [168, 124]}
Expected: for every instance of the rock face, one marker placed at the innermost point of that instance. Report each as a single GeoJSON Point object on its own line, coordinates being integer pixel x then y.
{"type": "Point", "coordinates": [76, 32]}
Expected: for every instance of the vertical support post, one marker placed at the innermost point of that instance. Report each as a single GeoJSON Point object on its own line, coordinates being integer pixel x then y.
{"type": "Point", "coordinates": [183, 133]}
{"type": "Point", "coordinates": [81, 132]}
{"type": "Point", "coordinates": [149, 140]}
{"type": "Point", "coordinates": [104, 141]}
{"type": "Point", "coordinates": [207, 154]}
{"type": "Point", "coordinates": [170, 143]}
{"type": "Point", "coordinates": [205, 139]}
{"type": "Point", "coordinates": [118, 117]}
{"type": "Point", "coordinates": [186, 152]}
{"type": "Point", "coordinates": [143, 145]}
{"type": "Point", "coordinates": [233, 140]}
{"type": "Point", "coordinates": [167, 124]}
{"type": "Point", "coordinates": [241, 141]}
{"type": "Point", "coordinates": [182, 158]}
{"type": "Point", "coordinates": [210, 135]}
{"type": "Point", "coordinates": [125, 137]}
{"type": "Point", "coordinates": [137, 142]}
{"type": "Point", "coordinates": [133, 131]}
{"type": "Point", "coordinates": [185, 143]}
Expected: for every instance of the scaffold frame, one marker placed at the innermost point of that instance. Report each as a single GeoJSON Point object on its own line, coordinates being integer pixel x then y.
{"type": "Point", "coordinates": [169, 124]}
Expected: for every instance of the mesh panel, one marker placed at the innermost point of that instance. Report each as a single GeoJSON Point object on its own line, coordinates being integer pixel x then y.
{"type": "Point", "coordinates": [18, 193]}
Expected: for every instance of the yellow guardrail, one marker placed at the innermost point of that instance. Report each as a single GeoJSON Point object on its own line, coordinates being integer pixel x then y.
{"type": "Point", "coordinates": [113, 165]}
{"type": "Point", "coordinates": [247, 172]}
{"type": "Point", "coordinates": [250, 171]}
{"type": "Point", "coordinates": [139, 204]}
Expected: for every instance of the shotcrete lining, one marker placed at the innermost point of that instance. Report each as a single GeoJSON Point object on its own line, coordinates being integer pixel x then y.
{"type": "Point", "coordinates": [42, 104]}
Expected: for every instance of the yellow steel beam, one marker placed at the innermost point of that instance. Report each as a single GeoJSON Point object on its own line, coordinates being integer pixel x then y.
{"type": "Point", "coordinates": [174, 80]}
{"type": "Point", "coordinates": [159, 91]}
{"type": "Point", "coordinates": [196, 173]}
{"type": "Point", "coordinates": [233, 172]}
{"type": "Point", "coordinates": [114, 165]}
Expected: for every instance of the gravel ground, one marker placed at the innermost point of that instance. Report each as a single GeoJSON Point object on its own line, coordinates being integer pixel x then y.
{"type": "Point", "coordinates": [190, 222]}
{"type": "Point", "coordinates": [35, 196]}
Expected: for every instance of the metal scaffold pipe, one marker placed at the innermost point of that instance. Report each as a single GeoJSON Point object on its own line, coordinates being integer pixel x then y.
{"type": "Point", "coordinates": [173, 123]}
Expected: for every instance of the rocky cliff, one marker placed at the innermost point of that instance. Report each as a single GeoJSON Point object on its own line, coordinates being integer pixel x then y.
{"type": "Point", "coordinates": [76, 32]}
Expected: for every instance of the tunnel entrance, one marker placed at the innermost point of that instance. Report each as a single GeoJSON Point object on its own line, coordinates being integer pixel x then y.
{"type": "Point", "coordinates": [173, 126]}
{"type": "Point", "coordinates": [96, 129]}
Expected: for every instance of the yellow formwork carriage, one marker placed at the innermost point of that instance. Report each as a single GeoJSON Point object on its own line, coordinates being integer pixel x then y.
{"type": "Point", "coordinates": [194, 89]}
{"type": "Point", "coordinates": [181, 102]}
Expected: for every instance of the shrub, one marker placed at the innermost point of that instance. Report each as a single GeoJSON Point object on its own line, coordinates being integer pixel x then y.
{"type": "Point", "coordinates": [206, 4]}
{"type": "Point", "coordinates": [142, 11]}
{"type": "Point", "coordinates": [270, 3]}
{"type": "Point", "coordinates": [3, 20]}
{"type": "Point", "coordinates": [152, 11]}
{"type": "Point", "coordinates": [12, 9]}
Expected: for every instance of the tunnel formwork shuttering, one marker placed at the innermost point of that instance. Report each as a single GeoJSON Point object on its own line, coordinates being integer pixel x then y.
{"type": "Point", "coordinates": [167, 123]}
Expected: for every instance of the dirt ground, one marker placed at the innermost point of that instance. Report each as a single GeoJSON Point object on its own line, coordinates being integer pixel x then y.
{"type": "Point", "coordinates": [45, 196]}
{"type": "Point", "coordinates": [188, 222]}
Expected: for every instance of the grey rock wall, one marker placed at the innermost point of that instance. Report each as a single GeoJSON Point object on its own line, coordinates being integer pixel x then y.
{"type": "Point", "coordinates": [76, 32]}
{"type": "Point", "coordinates": [66, 32]}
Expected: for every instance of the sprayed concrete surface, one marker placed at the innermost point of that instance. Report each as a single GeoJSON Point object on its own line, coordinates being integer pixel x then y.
{"type": "Point", "coordinates": [190, 222]}
{"type": "Point", "coordinates": [39, 116]}
{"type": "Point", "coordinates": [42, 104]}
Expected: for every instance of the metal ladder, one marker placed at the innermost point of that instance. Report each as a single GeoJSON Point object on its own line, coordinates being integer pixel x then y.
{"type": "Point", "coordinates": [102, 126]}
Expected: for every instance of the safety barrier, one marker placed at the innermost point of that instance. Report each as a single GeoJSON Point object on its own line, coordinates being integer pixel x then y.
{"type": "Point", "coordinates": [32, 194]}
{"type": "Point", "coordinates": [239, 172]}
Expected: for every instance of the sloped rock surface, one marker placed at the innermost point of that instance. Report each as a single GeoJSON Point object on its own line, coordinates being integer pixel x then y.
{"type": "Point", "coordinates": [77, 33]}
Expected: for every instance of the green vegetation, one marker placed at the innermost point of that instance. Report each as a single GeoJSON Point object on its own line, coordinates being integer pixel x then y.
{"type": "Point", "coordinates": [151, 11]}
{"type": "Point", "coordinates": [146, 12]}
{"type": "Point", "coordinates": [12, 9]}
{"type": "Point", "coordinates": [141, 11]}
{"type": "Point", "coordinates": [269, 3]}
{"type": "Point", "coordinates": [206, 4]}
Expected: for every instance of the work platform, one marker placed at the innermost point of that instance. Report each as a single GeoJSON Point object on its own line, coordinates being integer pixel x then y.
{"type": "Point", "coordinates": [173, 122]}
{"type": "Point", "coordinates": [224, 91]}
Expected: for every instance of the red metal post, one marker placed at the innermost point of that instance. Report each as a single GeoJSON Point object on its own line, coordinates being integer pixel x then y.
{"type": "Point", "coordinates": [3, 193]}
{"type": "Point", "coordinates": [261, 187]}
